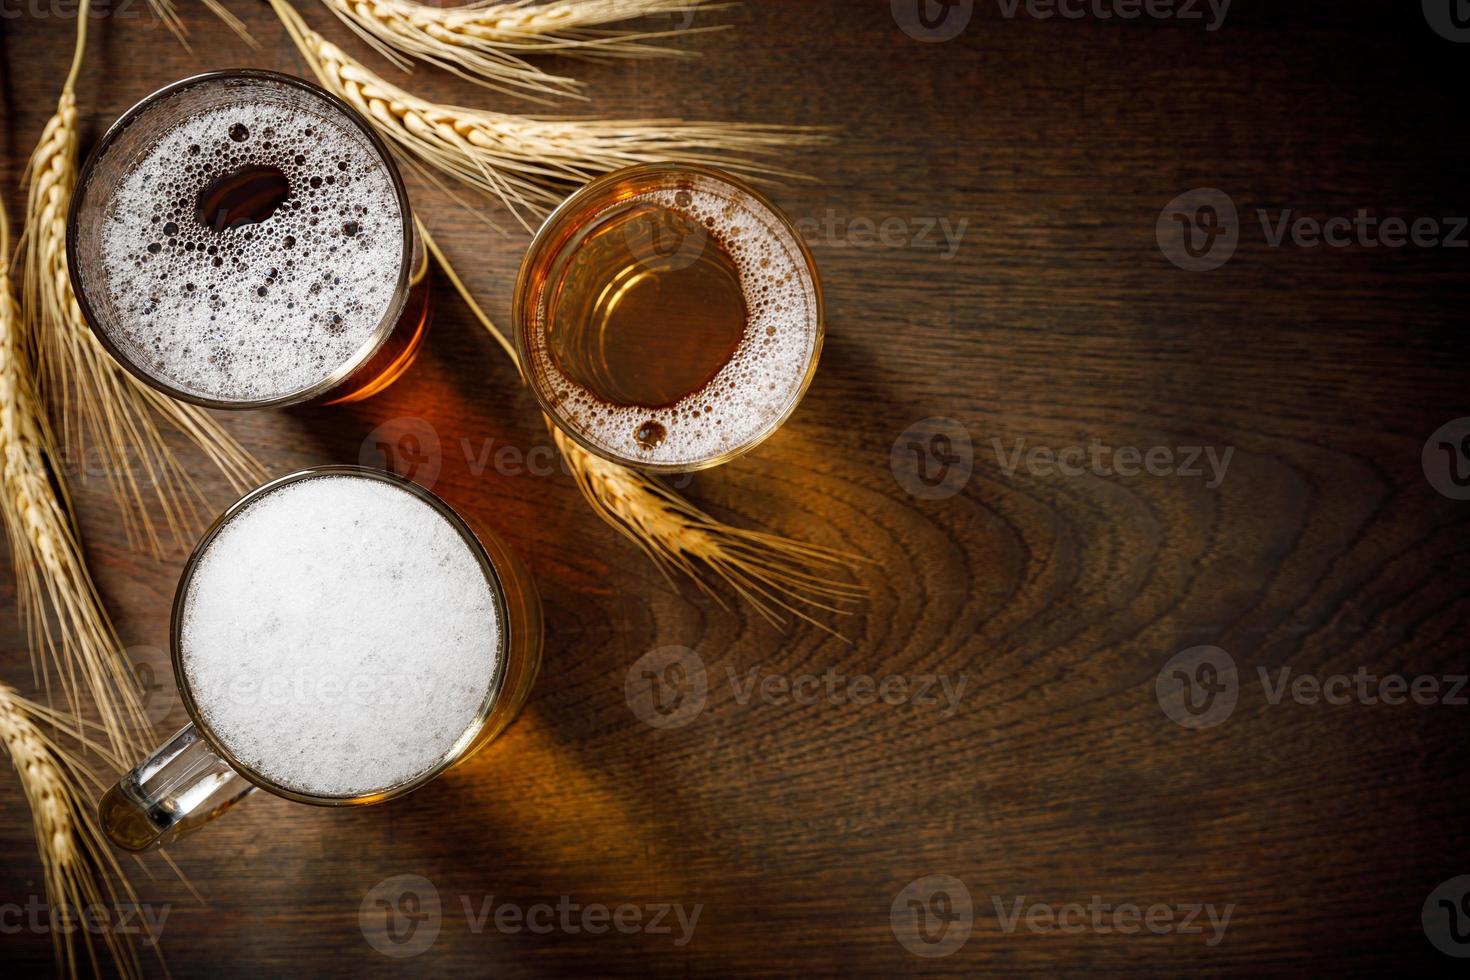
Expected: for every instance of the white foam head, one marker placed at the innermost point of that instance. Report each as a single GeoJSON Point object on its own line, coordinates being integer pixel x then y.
{"type": "Point", "coordinates": [339, 636]}
{"type": "Point", "coordinates": [254, 313]}
{"type": "Point", "coordinates": [760, 384]}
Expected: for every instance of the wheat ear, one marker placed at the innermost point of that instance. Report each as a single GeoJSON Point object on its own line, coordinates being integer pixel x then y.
{"type": "Point", "coordinates": [69, 633]}
{"type": "Point", "coordinates": [776, 575]}
{"type": "Point", "coordinates": [487, 42]}
{"type": "Point", "coordinates": [530, 163]}
{"type": "Point", "coordinates": [95, 399]}
{"type": "Point", "coordinates": [77, 865]}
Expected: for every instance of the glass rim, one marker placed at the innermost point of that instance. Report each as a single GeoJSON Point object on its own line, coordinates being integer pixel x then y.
{"type": "Point", "coordinates": [115, 132]}
{"type": "Point", "coordinates": [492, 694]}
{"type": "Point", "coordinates": [521, 302]}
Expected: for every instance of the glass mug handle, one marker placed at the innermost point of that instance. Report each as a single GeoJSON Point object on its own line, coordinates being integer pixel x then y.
{"type": "Point", "coordinates": [178, 789]}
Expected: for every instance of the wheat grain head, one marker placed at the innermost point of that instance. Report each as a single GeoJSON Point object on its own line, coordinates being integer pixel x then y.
{"type": "Point", "coordinates": [78, 867]}
{"type": "Point", "coordinates": [530, 163]}
{"type": "Point", "coordinates": [487, 43]}
{"type": "Point", "coordinates": [70, 636]}
{"type": "Point", "coordinates": [95, 400]}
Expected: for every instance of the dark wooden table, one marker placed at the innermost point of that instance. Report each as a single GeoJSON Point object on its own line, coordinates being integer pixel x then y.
{"type": "Point", "coordinates": [1057, 593]}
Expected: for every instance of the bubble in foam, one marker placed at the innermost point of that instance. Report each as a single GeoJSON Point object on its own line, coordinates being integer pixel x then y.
{"type": "Point", "coordinates": [763, 378]}
{"type": "Point", "coordinates": [339, 636]}
{"type": "Point", "coordinates": [212, 240]}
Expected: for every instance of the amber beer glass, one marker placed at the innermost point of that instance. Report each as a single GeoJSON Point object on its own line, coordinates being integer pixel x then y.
{"type": "Point", "coordinates": [243, 239]}
{"type": "Point", "coordinates": [668, 318]}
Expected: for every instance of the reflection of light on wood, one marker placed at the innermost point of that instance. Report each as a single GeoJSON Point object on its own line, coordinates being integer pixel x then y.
{"type": "Point", "coordinates": [591, 836]}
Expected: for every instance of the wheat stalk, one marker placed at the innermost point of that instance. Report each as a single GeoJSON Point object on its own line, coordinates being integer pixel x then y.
{"type": "Point", "coordinates": [771, 572]}
{"type": "Point", "coordinates": [486, 42]}
{"type": "Point", "coordinates": [77, 865]}
{"type": "Point", "coordinates": [166, 12]}
{"type": "Point", "coordinates": [69, 633]}
{"type": "Point", "coordinates": [529, 163]}
{"type": "Point", "coordinates": [767, 570]}
{"type": "Point", "coordinates": [94, 398]}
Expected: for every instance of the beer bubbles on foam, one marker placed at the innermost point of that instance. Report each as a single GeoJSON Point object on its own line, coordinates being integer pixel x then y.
{"type": "Point", "coordinates": [339, 636]}
{"type": "Point", "coordinates": [254, 311]}
{"type": "Point", "coordinates": [762, 379]}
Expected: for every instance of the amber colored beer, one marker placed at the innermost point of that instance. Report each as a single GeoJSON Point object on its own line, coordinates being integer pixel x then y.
{"type": "Point", "coordinates": [668, 318]}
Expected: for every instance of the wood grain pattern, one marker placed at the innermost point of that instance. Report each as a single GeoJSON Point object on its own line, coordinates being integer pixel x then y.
{"type": "Point", "coordinates": [1057, 598]}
